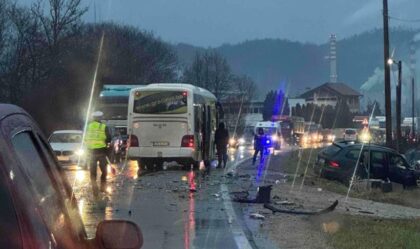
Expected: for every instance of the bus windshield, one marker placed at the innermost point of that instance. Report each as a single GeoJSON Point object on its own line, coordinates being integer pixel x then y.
{"type": "Point", "coordinates": [161, 102]}
{"type": "Point", "coordinates": [114, 107]}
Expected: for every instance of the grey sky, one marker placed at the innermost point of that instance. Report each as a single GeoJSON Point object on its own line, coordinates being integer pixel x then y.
{"type": "Point", "coordinates": [214, 22]}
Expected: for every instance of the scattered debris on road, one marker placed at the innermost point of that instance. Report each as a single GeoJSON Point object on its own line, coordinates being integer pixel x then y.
{"type": "Point", "coordinates": [257, 216]}
{"type": "Point", "coordinates": [301, 212]}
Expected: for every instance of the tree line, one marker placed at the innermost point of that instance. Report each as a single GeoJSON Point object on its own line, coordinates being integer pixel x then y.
{"type": "Point", "coordinates": [48, 57]}
{"type": "Point", "coordinates": [338, 116]}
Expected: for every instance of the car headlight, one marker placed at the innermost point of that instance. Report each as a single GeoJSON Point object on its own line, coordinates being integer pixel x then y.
{"type": "Point", "coordinates": [80, 152]}
{"type": "Point", "coordinates": [241, 140]}
{"type": "Point", "coordinates": [365, 137]}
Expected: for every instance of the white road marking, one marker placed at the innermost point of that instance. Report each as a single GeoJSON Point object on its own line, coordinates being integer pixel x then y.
{"type": "Point", "coordinates": [238, 233]}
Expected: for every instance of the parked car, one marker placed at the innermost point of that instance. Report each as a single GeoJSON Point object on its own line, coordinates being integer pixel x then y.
{"type": "Point", "coordinates": [339, 160]}
{"type": "Point", "coordinates": [38, 209]}
{"type": "Point", "coordinates": [350, 135]}
{"type": "Point", "coordinates": [67, 146]}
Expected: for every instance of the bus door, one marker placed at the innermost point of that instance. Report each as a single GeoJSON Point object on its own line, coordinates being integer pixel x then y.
{"type": "Point", "coordinates": [198, 127]}
{"type": "Point", "coordinates": [205, 132]}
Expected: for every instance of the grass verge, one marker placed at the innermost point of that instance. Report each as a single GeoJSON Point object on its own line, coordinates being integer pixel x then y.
{"type": "Point", "coordinates": [363, 233]}
{"type": "Point", "coordinates": [293, 166]}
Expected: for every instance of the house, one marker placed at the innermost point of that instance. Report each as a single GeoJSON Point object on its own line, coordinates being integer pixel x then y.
{"type": "Point", "coordinates": [331, 94]}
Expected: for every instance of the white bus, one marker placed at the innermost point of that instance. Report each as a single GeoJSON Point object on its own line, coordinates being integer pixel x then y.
{"type": "Point", "coordinates": [113, 102]}
{"type": "Point", "coordinates": [171, 122]}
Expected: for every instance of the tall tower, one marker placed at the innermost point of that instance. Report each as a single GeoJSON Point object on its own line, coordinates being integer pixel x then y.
{"type": "Point", "coordinates": [333, 59]}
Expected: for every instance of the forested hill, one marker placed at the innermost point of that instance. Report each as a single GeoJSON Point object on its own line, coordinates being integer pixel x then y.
{"type": "Point", "coordinates": [273, 61]}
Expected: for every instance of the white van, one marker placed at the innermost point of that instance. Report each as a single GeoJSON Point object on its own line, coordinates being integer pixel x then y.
{"type": "Point", "coordinates": [272, 130]}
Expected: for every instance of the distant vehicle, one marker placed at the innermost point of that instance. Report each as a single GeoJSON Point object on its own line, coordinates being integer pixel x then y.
{"type": "Point", "coordinates": [292, 127]}
{"type": "Point", "coordinates": [339, 160]}
{"type": "Point", "coordinates": [119, 147]}
{"type": "Point", "coordinates": [312, 134]}
{"type": "Point", "coordinates": [113, 102]}
{"type": "Point", "coordinates": [171, 122]}
{"type": "Point", "coordinates": [38, 208]}
{"type": "Point", "coordinates": [272, 130]}
{"type": "Point", "coordinates": [67, 146]}
{"type": "Point", "coordinates": [327, 135]}
{"type": "Point", "coordinates": [350, 135]}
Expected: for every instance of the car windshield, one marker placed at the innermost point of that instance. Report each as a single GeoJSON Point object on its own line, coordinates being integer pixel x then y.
{"type": "Point", "coordinates": [269, 130]}
{"type": "Point", "coordinates": [66, 138]}
{"type": "Point", "coordinates": [181, 88]}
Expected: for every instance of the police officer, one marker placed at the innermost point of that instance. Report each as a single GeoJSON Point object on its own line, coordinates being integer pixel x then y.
{"type": "Point", "coordinates": [221, 139]}
{"type": "Point", "coordinates": [97, 139]}
{"type": "Point", "coordinates": [258, 145]}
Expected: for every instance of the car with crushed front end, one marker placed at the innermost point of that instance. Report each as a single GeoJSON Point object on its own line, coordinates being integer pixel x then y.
{"type": "Point", "coordinates": [339, 160]}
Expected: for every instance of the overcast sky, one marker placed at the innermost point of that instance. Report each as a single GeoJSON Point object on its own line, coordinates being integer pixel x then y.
{"type": "Point", "coordinates": [214, 22]}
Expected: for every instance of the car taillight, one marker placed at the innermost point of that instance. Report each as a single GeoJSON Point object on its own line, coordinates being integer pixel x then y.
{"type": "Point", "coordinates": [187, 141]}
{"type": "Point", "coordinates": [334, 164]}
{"type": "Point", "coordinates": [133, 141]}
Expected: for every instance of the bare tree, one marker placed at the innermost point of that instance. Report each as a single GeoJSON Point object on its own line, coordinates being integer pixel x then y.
{"type": "Point", "coordinates": [60, 21]}
{"type": "Point", "coordinates": [211, 71]}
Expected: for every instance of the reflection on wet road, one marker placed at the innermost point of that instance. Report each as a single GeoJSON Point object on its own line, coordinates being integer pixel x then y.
{"type": "Point", "coordinates": [169, 215]}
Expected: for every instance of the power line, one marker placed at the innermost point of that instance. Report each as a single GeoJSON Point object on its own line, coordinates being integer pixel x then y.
{"type": "Point", "coordinates": [403, 19]}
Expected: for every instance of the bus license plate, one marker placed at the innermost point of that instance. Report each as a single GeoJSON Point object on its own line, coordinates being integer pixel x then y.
{"type": "Point", "coordinates": [160, 143]}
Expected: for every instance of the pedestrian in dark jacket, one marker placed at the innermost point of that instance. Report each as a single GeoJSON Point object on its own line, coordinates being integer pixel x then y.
{"type": "Point", "coordinates": [221, 139]}
{"type": "Point", "coordinates": [258, 145]}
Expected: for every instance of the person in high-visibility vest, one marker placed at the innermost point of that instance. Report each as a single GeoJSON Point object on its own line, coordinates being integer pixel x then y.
{"type": "Point", "coordinates": [96, 139]}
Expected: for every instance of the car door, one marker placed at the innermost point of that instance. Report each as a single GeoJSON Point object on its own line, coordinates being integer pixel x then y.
{"type": "Point", "coordinates": [36, 188]}
{"type": "Point", "coordinates": [8, 215]}
{"type": "Point", "coordinates": [399, 170]}
{"type": "Point", "coordinates": [378, 164]}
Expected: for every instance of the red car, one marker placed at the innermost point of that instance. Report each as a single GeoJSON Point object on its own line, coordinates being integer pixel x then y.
{"type": "Point", "coordinates": [37, 207]}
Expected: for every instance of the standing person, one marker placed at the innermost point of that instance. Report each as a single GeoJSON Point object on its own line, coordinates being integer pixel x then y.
{"type": "Point", "coordinates": [221, 139]}
{"type": "Point", "coordinates": [97, 139]}
{"type": "Point", "coordinates": [258, 145]}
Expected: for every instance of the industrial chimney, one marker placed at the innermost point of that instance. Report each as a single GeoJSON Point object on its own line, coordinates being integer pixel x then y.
{"type": "Point", "coordinates": [333, 59]}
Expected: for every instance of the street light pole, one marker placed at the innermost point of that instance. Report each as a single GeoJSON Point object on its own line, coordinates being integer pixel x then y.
{"type": "Point", "coordinates": [413, 129]}
{"type": "Point", "coordinates": [398, 107]}
{"type": "Point", "coordinates": [388, 121]}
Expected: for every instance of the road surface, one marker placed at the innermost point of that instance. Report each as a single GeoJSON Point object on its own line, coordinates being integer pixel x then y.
{"type": "Point", "coordinates": [170, 216]}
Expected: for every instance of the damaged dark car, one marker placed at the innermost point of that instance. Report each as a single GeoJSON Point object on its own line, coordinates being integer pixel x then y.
{"type": "Point", "coordinates": [339, 160]}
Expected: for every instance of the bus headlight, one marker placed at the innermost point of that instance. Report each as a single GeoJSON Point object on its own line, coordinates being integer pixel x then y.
{"type": "Point", "coordinates": [80, 152]}
{"type": "Point", "coordinates": [241, 141]}
{"type": "Point", "coordinates": [232, 142]}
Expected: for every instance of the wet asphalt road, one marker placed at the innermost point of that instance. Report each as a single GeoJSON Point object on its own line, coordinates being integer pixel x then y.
{"type": "Point", "coordinates": [169, 215]}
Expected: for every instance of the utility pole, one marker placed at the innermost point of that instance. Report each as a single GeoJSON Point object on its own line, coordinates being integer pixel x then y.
{"type": "Point", "coordinates": [413, 129]}
{"type": "Point", "coordinates": [398, 107]}
{"type": "Point", "coordinates": [388, 116]}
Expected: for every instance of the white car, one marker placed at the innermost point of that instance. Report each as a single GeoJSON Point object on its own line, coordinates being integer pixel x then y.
{"type": "Point", "coordinates": [350, 135]}
{"type": "Point", "coordinates": [67, 146]}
